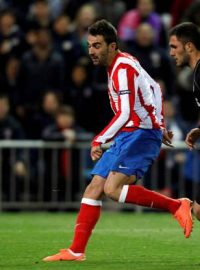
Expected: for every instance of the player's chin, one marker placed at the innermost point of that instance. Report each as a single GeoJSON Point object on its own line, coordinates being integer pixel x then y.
{"type": "Point", "coordinates": [96, 63]}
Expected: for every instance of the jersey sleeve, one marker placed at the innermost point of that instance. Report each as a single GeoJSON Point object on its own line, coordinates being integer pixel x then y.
{"type": "Point", "coordinates": [158, 99]}
{"type": "Point", "coordinates": [123, 81]}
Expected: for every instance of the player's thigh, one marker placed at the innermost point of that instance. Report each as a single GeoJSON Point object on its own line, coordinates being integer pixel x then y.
{"type": "Point", "coordinates": [138, 150]}
{"type": "Point", "coordinates": [95, 189]}
{"type": "Point", "coordinates": [116, 181]}
{"type": "Point", "coordinates": [196, 210]}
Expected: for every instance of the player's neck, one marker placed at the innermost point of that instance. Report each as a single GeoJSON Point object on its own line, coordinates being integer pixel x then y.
{"type": "Point", "coordinates": [194, 59]}
{"type": "Point", "coordinates": [112, 57]}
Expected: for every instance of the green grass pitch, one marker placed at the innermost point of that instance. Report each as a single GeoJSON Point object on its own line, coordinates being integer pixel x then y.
{"type": "Point", "coordinates": [121, 241]}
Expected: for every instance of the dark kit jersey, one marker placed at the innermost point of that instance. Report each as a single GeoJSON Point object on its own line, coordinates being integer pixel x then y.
{"type": "Point", "coordinates": [196, 83]}
{"type": "Point", "coordinates": [196, 91]}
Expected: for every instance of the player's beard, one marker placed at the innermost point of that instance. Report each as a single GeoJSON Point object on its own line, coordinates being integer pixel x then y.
{"type": "Point", "coordinates": [185, 60]}
{"type": "Point", "coordinates": [101, 60]}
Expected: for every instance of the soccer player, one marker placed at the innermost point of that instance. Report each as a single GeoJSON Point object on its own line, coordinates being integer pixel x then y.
{"type": "Point", "coordinates": [136, 130]}
{"type": "Point", "coordinates": [184, 42]}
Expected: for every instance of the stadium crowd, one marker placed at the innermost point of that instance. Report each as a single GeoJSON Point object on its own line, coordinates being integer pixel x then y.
{"type": "Point", "coordinates": [45, 71]}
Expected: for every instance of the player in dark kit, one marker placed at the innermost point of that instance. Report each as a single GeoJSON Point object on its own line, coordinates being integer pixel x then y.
{"type": "Point", "coordinates": [184, 42]}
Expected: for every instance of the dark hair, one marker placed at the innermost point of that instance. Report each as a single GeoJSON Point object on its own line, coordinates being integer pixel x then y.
{"type": "Point", "coordinates": [187, 32]}
{"type": "Point", "coordinates": [105, 29]}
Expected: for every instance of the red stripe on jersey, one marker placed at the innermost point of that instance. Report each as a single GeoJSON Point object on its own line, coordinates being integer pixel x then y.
{"type": "Point", "coordinates": [150, 109]}
{"type": "Point", "coordinates": [131, 77]}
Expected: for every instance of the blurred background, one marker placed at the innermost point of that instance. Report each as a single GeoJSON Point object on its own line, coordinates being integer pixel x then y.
{"type": "Point", "coordinates": [53, 100]}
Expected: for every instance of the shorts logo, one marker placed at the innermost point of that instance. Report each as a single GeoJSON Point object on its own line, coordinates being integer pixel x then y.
{"type": "Point", "coordinates": [123, 167]}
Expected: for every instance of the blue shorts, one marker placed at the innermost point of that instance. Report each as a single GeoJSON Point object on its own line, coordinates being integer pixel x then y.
{"type": "Point", "coordinates": [131, 153]}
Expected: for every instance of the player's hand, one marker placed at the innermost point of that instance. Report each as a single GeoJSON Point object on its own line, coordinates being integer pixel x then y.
{"type": "Point", "coordinates": [192, 137]}
{"type": "Point", "coordinates": [167, 137]}
{"type": "Point", "coordinates": [96, 152]}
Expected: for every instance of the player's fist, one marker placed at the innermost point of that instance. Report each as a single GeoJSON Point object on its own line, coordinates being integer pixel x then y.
{"type": "Point", "coordinates": [192, 137]}
{"type": "Point", "coordinates": [167, 137]}
{"type": "Point", "coordinates": [96, 152]}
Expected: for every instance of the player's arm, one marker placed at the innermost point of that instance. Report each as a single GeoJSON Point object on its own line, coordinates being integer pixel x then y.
{"type": "Point", "coordinates": [167, 134]}
{"type": "Point", "coordinates": [117, 122]}
{"type": "Point", "coordinates": [125, 102]}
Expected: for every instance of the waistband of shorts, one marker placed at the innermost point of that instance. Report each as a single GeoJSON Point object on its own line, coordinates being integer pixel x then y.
{"type": "Point", "coordinates": [129, 129]}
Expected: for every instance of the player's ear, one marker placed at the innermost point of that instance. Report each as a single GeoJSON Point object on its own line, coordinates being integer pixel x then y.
{"type": "Point", "coordinates": [189, 47]}
{"type": "Point", "coordinates": [112, 46]}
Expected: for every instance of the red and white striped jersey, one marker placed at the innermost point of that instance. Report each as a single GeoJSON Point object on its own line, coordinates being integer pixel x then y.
{"type": "Point", "coordinates": [135, 98]}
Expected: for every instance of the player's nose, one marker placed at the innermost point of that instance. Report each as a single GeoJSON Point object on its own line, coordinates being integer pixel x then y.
{"type": "Point", "coordinates": [171, 52]}
{"type": "Point", "coordinates": [90, 51]}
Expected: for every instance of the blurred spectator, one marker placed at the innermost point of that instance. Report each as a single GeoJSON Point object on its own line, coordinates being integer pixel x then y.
{"type": "Point", "coordinates": [79, 94]}
{"type": "Point", "coordinates": [71, 7]}
{"type": "Point", "coordinates": [41, 69]}
{"type": "Point", "coordinates": [178, 8]}
{"type": "Point", "coordinates": [39, 15]}
{"type": "Point", "coordinates": [21, 7]}
{"type": "Point", "coordinates": [45, 116]}
{"type": "Point", "coordinates": [31, 38]}
{"type": "Point", "coordinates": [192, 13]}
{"type": "Point", "coordinates": [3, 4]}
{"type": "Point", "coordinates": [171, 121]}
{"type": "Point", "coordinates": [9, 82]}
{"type": "Point", "coordinates": [10, 128]}
{"type": "Point", "coordinates": [171, 161]}
{"type": "Point", "coordinates": [66, 42]}
{"type": "Point", "coordinates": [56, 7]}
{"type": "Point", "coordinates": [110, 10]}
{"type": "Point", "coordinates": [12, 166]}
{"type": "Point", "coordinates": [144, 12]}
{"type": "Point", "coordinates": [153, 58]}
{"type": "Point", "coordinates": [99, 84]}
{"type": "Point", "coordinates": [163, 6]}
{"type": "Point", "coordinates": [64, 129]}
{"type": "Point", "coordinates": [85, 16]}
{"type": "Point", "coordinates": [11, 37]}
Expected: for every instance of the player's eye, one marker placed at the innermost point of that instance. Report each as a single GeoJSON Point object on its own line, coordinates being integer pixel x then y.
{"type": "Point", "coordinates": [97, 46]}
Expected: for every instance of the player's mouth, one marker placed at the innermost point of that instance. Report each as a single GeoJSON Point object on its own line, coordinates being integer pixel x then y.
{"type": "Point", "coordinates": [95, 60]}
{"type": "Point", "coordinates": [176, 60]}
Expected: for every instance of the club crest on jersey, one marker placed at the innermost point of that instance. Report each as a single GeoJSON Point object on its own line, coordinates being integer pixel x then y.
{"type": "Point", "coordinates": [124, 92]}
